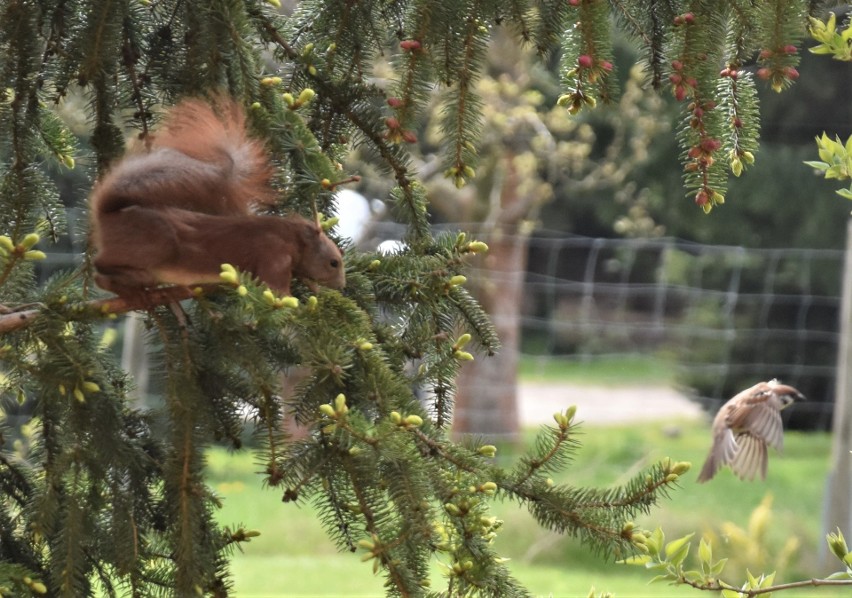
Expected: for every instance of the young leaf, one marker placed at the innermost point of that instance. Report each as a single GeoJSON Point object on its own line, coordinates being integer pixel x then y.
{"type": "Point", "coordinates": [718, 566]}
{"type": "Point", "coordinates": [666, 577]}
{"type": "Point", "coordinates": [767, 580]}
{"type": "Point", "coordinates": [675, 545]}
{"type": "Point", "coordinates": [705, 552]}
{"type": "Point", "coordinates": [636, 559]}
{"type": "Point", "coordinates": [678, 557]}
{"type": "Point", "coordinates": [816, 164]}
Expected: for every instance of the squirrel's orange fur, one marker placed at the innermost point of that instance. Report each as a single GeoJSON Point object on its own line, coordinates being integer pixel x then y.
{"type": "Point", "coordinates": [176, 212]}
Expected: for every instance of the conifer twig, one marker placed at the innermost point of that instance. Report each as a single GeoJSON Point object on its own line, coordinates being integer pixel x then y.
{"type": "Point", "coordinates": [112, 305]}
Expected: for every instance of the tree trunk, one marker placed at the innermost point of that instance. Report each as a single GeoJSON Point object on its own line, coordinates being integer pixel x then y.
{"type": "Point", "coordinates": [486, 400]}
{"type": "Point", "coordinates": [838, 496]}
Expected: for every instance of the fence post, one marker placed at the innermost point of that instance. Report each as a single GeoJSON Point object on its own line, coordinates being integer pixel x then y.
{"type": "Point", "coordinates": [838, 500]}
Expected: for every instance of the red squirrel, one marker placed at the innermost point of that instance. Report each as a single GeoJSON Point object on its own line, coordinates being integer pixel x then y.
{"type": "Point", "coordinates": [176, 212]}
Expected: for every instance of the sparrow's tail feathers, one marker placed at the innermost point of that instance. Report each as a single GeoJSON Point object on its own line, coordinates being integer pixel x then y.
{"type": "Point", "coordinates": [711, 466]}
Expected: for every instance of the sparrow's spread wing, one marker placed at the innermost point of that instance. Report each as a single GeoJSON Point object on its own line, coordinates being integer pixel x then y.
{"type": "Point", "coordinates": [764, 422]}
{"type": "Point", "coordinates": [758, 414]}
{"type": "Point", "coordinates": [723, 452]}
{"type": "Point", "coordinates": [743, 428]}
{"type": "Point", "coordinates": [750, 459]}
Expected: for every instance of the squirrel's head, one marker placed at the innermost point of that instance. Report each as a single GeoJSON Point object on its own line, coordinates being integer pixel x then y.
{"type": "Point", "coordinates": [321, 260]}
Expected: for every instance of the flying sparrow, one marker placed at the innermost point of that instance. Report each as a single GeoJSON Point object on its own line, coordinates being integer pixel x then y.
{"type": "Point", "coordinates": [744, 426]}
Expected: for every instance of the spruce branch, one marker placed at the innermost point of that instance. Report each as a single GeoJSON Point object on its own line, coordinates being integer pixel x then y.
{"type": "Point", "coordinates": [341, 96]}
{"type": "Point", "coordinates": [462, 107]}
{"type": "Point", "coordinates": [547, 455]}
{"type": "Point", "coordinates": [413, 87]}
{"type": "Point", "coordinates": [16, 320]}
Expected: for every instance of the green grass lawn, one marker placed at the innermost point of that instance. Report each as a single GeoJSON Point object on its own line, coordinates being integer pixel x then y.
{"type": "Point", "coordinates": [601, 371]}
{"type": "Point", "coordinates": [294, 558]}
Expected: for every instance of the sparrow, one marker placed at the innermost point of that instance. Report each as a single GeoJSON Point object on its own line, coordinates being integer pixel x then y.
{"type": "Point", "coordinates": [745, 425]}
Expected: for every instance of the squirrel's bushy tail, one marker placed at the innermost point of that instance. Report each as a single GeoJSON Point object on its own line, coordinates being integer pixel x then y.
{"type": "Point", "coordinates": [215, 132]}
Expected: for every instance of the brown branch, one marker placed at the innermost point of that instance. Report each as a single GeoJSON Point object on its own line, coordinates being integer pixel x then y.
{"type": "Point", "coordinates": [143, 301]}
{"type": "Point", "coordinates": [804, 583]}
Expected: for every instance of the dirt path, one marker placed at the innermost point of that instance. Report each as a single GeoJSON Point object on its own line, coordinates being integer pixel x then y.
{"type": "Point", "coordinates": [602, 405]}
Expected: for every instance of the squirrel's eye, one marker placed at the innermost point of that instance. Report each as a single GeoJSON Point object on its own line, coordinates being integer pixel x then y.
{"type": "Point", "coordinates": [334, 263]}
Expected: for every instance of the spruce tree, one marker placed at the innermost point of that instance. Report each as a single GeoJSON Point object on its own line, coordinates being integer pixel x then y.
{"type": "Point", "coordinates": [106, 497]}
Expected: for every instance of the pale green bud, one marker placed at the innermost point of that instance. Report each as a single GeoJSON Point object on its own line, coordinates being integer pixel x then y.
{"type": "Point", "coordinates": [340, 404]}
{"type": "Point", "coordinates": [736, 166]}
{"type": "Point", "coordinates": [29, 240]}
{"type": "Point", "coordinates": [570, 413]}
{"type": "Point", "coordinates": [463, 355]}
{"type": "Point", "coordinates": [414, 420]}
{"type": "Point", "coordinates": [488, 488]}
{"type": "Point", "coordinates": [305, 96]}
{"type": "Point", "coordinates": [462, 341]}
{"type": "Point", "coordinates": [487, 450]}
{"type": "Point", "coordinates": [91, 386]}
{"type": "Point", "coordinates": [477, 247]}
{"type": "Point", "coordinates": [837, 544]}
{"type": "Point", "coordinates": [228, 274]}
{"type": "Point", "coordinates": [681, 467]}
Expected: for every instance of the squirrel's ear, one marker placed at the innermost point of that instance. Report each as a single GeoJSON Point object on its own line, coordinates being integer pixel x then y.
{"type": "Point", "coordinates": [310, 231]}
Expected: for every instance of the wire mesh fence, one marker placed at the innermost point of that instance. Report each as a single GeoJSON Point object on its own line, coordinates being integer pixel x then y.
{"type": "Point", "coordinates": [726, 316]}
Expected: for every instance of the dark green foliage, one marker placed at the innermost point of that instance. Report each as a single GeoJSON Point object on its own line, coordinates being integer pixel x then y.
{"type": "Point", "coordinates": [105, 497]}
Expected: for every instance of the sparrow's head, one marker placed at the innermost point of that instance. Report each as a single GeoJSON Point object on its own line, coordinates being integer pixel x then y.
{"type": "Point", "coordinates": [785, 393]}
